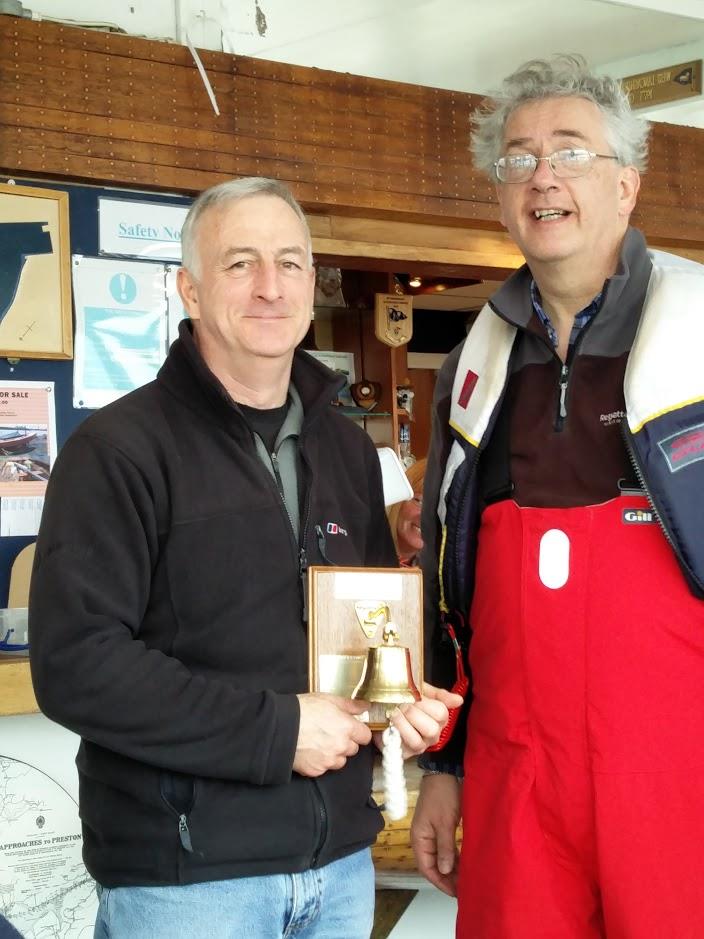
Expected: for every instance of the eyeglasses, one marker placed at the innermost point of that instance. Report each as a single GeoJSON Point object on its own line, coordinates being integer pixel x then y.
{"type": "Point", "coordinates": [520, 167]}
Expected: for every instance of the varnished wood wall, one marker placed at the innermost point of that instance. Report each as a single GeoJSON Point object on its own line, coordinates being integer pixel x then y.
{"type": "Point", "coordinates": [90, 106]}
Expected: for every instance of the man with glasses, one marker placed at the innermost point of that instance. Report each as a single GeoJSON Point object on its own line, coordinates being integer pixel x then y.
{"type": "Point", "coordinates": [563, 524]}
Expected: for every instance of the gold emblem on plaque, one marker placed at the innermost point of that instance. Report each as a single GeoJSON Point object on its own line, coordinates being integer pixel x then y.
{"type": "Point", "coordinates": [371, 614]}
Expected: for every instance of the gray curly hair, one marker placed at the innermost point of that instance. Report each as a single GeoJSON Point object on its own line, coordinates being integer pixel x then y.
{"type": "Point", "coordinates": [562, 76]}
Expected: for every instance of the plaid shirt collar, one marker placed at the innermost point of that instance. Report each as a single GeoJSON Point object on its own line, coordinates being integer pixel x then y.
{"type": "Point", "coordinates": [580, 321]}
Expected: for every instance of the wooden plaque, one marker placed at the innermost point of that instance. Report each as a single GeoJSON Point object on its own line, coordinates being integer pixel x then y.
{"type": "Point", "coordinates": [349, 607]}
{"type": "Point", "coordinates": [660, 85]}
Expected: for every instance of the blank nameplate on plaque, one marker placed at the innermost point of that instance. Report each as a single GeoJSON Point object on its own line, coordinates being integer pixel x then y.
{"type": "Point", "coordinates": [349, 608]}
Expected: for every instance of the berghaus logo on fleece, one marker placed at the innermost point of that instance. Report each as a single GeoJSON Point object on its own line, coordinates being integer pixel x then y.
{"type": "Point", "coordinates": [683, 448]}
{"type": "Point", "coordinates": [332, 528]}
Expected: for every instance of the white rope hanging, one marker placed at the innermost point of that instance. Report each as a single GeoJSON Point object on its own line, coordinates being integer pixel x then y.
{"type": "Point", "coordinates": [395, 794]}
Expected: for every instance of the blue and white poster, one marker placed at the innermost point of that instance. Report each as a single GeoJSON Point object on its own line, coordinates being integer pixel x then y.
{"type": "Point", "coordinates": [121, 327]}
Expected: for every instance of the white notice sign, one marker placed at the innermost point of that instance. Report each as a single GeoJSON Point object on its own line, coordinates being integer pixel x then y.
{"type": "Point", "coordinates": [120, 327]}
{"type": "Point", "coordinates": [149, 230]}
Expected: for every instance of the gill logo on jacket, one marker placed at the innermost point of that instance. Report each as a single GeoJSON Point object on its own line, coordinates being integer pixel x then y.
{"type": "Point", "coordinates": [638, 516]}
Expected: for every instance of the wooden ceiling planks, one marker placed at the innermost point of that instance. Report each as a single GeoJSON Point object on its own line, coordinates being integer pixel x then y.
{"type": "Point", "coordinates": [106, 108]}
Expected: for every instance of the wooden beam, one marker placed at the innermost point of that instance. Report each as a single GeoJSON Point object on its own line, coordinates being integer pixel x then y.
{"type": "Point", "coordinates": [112, 109]}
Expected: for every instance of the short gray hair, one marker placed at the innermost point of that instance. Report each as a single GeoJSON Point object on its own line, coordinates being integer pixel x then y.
{"type": "Point", "coordinates": [563, 76]}
{"type": "Point", "coordinates": [232, 191]}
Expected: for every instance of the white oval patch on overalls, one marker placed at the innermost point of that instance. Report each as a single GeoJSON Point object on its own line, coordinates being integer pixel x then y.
{"type": "Point", "coordinates": [554, 559]}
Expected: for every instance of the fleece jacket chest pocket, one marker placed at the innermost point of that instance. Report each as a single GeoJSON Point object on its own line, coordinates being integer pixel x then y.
{"type": "Point", "coordinates": [222, 565]}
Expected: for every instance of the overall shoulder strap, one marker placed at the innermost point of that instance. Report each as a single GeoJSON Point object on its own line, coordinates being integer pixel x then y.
{"type": "Point", "coordinates": [664, 371]}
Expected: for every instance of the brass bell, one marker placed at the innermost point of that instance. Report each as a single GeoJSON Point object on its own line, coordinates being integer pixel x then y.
{"type": "Point", "coordinates": [387, 677]}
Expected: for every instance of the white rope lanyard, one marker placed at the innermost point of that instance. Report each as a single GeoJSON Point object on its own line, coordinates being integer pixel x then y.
{"type": "Point", "coordinates": [395, 794]}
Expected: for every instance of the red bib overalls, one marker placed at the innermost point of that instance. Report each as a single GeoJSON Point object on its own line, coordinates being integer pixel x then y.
{"type": "Point", "coordinates": [583, 802]}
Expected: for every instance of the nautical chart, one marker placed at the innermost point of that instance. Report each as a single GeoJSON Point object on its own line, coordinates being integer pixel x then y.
{"type": "Point", "coordinates": [45, 891]}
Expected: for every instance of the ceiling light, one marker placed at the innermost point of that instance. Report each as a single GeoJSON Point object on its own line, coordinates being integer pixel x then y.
{"type": "Point", "coordinates": [414, 281]}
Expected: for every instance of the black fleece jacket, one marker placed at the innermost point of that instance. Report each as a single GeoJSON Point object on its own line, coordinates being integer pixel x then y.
{"type": "Point", "coordinates": [167, 628]}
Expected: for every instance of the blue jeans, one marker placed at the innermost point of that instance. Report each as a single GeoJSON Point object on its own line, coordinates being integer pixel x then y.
{"type": "Point", "coordinates": [332, 902]}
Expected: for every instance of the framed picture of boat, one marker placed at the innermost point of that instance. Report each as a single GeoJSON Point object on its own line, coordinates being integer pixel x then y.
{"type": "Point", "coordinates": [35, 274]}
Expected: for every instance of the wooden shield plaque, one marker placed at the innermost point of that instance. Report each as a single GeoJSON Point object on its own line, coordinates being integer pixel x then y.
{"type": "Point", "coordinates": [393, 318]}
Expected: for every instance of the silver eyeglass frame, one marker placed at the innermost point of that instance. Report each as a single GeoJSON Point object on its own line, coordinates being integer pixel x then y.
{"type": "Point", "coordinates": [500, 163]}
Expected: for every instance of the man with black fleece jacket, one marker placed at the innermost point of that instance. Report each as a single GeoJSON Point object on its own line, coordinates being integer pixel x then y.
{"type": "Point", "coordinates": [167, 609]}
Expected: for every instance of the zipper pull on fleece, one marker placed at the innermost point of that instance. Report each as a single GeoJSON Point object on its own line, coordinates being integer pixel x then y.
{"type": "Point", "coordinates": [564, 378]}
{"type": "Point", "coordinates": [184, 834]}
{"type": "Point", "coordinates": [303, 574]}
{"type": "Point", "coordinates": [322, 545]}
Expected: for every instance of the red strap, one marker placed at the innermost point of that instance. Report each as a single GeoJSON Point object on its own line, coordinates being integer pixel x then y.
{"type": "Point", "coordinates": [460, 687]}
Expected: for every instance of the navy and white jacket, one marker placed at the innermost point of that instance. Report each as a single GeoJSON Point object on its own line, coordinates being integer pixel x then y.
{"type": "Point", "coordinates": [634, 389]}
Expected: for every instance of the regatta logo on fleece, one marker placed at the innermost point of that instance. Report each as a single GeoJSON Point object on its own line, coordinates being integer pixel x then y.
{"type": "Point", "coordinates": [683, 448]}
{"type": "Point", "coordinates": [638, 517]}
{"type": "Point", "coordinates": [332, 528]}
{"type": "Point", "coordinates": [613, 417]}
{"type": "Point", "coordinates": [470, 383]}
